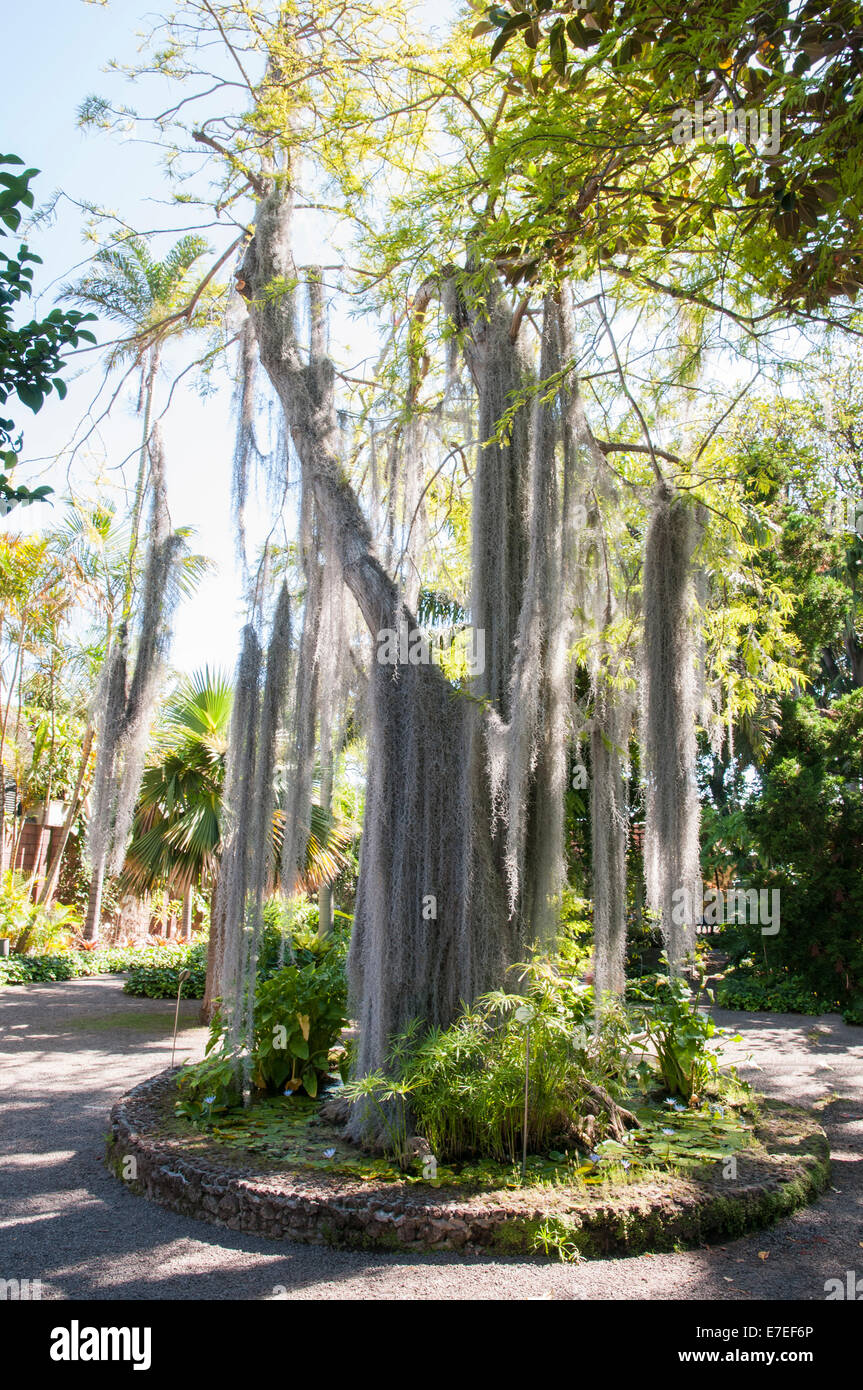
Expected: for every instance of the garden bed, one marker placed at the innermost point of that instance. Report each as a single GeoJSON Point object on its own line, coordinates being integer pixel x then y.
{"type": "Point", "coordinates": [284, 1173]}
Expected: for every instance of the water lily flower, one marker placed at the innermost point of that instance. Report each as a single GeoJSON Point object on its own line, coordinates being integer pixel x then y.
{"type": "Point", "coordinates": [208, 1100]}
{"type": "Point", "coordinates": [329, 1153]}
{"type": "Point", "coordinates": [668, 1131]}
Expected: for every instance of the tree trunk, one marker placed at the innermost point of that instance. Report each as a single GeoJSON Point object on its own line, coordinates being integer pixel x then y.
{"type": "Point", "coordinates": [188, 905]}
{"type": "Point", "coordinates": [52, 878]}
{"type": "Point", "coordinates": [213, 985]}
{"type": "Point", "coordinates": [93, 919]}
{"type": "Point", "coordinates": [325, 910]}
{"type": "Point", "coordinates": [431, 926]}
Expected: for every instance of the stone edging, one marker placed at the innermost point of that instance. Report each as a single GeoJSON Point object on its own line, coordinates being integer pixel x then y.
{"type": "Point", "coordinates": [658, 1214]}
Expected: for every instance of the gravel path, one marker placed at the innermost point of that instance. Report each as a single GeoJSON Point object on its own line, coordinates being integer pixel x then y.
{"type": "Point", "coordinates": [67, 1051]}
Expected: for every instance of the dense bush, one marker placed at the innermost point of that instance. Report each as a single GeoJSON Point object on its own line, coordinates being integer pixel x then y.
{"type": "Point", "coordinates": [30, 926]}
{"type": "Point", "coordinates": [25, 970]}
{"type": "Point", "coordinates": [462, 1088]}
{"type": "Point", "coordinates": [665, 1011]}
{"type": "Point", "coordinates": [299, 1015]}
{"type": "Point", "coordinates": [158, 976]}
{"type": "Point", "coordinates": [775, 991]}
{"type": "Point", "coordinates": [808, 824]}
{"type": "Point", "coordinates": [147, 962]}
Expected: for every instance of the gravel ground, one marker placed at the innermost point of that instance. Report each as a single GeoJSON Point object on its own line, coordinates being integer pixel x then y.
{"type": "Point", "coordinates": [68, 1051]}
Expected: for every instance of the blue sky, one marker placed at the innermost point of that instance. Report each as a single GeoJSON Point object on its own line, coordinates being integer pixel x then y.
{"type": "Point", "coordinates": [55, 55]}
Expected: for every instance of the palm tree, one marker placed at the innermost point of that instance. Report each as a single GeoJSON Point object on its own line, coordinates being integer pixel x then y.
{"type": "Point", "coordinates": [92, 544]}
{"type": "Point", "coordinates": [176, 835]}
{"type": "Point", "coordinates": [153, 300]}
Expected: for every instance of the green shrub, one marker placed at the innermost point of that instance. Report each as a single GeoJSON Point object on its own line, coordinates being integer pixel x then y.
{"type": "Point", "coordinates": [463, 1086]}
{"type": "Point", "coordinates": [771, 991]}
{"type": "Point", "coordinates": [808, 825]}
{"type": "Point", "coordinates": [666, 1011]}
{"type": "Point", "coordinates": [154, 966]}
{"type": "Point", "coordinates": [210, 1087]}
{"type": "Point", "coordinates": [29, 926]}
{"type": "Point", "coordinates": [157, 976]}
{"type": "Point", "coordinates": [854, 1013]}
{"type": "Point", "coordinates": [300, 1011]}
{"type": "Point", "coordinates": [299, 1016]}
{"type": "Point", "coordinates": [25, 970]}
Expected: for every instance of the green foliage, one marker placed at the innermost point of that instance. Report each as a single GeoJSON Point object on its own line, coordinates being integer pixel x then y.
{"type": "Point", "coordinates": [127, 285]}
{"type": "Point", "coordinates": [159, 976]}
{"type": "Point", "coordinates": [25, 970]}
{"type": "Point", "coordinates": [209, 1088]}
{"type": "Point", "coordinates": [300, 1011]}
{"type": "Point", "coordinates": [155, 964]}
{"type": "Point", "coordinates": [808, 824]}
{"type": "Point", "coordinates": [176, 834]}
{"type": "Point", "coordinates": [620, 72]}
{"type": "Point", "coordinates": [643, 940]}
{"type": "Point", "coordinates": [665, 1008]}
{"type": "Point", "coordinates": [775, 991]}
{"type": "Point", "coordinates": [385, 1098]}
{"type": "Point", "coordinates": [31, 356]}
{"type": "Point", "coordinates": [30, 927]}
{"type": "Point", "coordinates": [679, 1136]}
{"type": "Point", "coordinates": [462, 1088]}
{"type": "Point", "coordinates": [464, 1084]}
{"type": "Point", "coordinates": [575, 938]}
{"type": "Point", "coordinates": [299, 1016]}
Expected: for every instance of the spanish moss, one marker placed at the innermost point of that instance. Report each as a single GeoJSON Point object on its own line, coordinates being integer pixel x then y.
{"type": "Point", "coordinates": [669, 713]}
{"type": "Point", "coordinates": [125, 716]}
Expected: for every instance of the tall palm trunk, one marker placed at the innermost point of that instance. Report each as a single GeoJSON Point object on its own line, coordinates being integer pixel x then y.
{"type": "Point", "coordinates": [52, 878]}
{"type": "Point", "coordinates": [186, 920]}
{"type": "Point", "coordinates": [97, 882]}
{"type": "Point", "coordinates": [213, 985]}
{"type": "Point", "coordinates": [93, 919]}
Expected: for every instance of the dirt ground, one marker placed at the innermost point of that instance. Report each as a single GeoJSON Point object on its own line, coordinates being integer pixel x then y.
{"type": "Point", "coordinates": [68, 1051]}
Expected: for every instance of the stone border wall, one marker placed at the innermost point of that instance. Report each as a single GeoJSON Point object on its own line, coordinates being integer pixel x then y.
{"type": "Point", "coordinates": [306, 1206]}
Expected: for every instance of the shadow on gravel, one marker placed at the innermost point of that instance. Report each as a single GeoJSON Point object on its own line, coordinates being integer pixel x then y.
{"type": "Point", "coordinates": [68, 1051]}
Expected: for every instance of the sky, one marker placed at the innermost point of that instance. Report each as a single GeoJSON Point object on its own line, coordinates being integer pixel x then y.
{"type": "Point", "coordinates": [55, 55]}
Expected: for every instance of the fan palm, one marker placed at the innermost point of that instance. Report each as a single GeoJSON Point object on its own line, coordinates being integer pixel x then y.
{"type": "Point", "coordinates": [153, 300]}
{"type": "Point", "coordinates": [177, 833]}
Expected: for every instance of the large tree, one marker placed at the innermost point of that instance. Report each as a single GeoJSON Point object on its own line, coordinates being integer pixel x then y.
{"type": "Point", "coordinates": [492, 356]}
{"type": "Point", "coordinates": [32, 354]}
